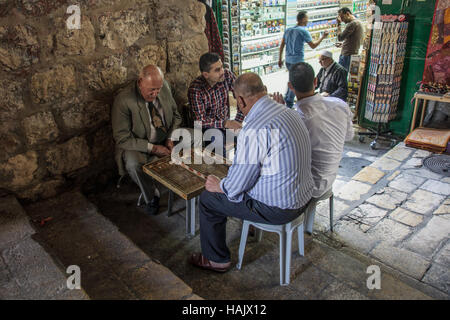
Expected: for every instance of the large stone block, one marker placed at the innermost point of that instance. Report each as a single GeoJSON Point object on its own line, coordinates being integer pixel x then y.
{"type": "Point", "coordinates": [37, 276]}
{"type": "Point", "coordinates": [43, 190]}
{"type": "Point", "coordinates": [423, 173]}
{"type": "Point", "coordinates": [54, 84]}
{"type": "Point", "coordinates": [386, 164]}
{"type": "Point", "coordinates": [443, 257]}
{"type": "Point", "coordinates": [365, 216]}
{"type": "Point", "coordinates": [437, 187]}
{"type": "Point", "coordinates": [106, 75]}
{"type": "Point", "coordinates": [191, 19]}
{"type": "Point", "coordinates": [194, 20]}
{"type": "Point", "coordinates": [429, 237]}
{"type": "Point", "coordinates": [69, 156]}
{"type": "Point", "coordinates": [37, 8]}
{"type": "Point", "coordinates": [14, 224]}
{"type": "Point", "coordinates": [19, 171]}
{"type": "Point", "coordinates": [406, 217]}
{"type": "Point", "coordinates": [103, 144]}
{"type": "Point", "coordinates": [444, 209]}
{"type": "Point", "coordinates": [121, 29]}
{"type": "Point", "coordinates": [423, 202]}
{"type": "Point", "coordinates": [40, 128]}
{"type": "Point", "coordinates": [74, 41]}
{"type": "Point", "coordinates": [19, 47]}
{"type": "Point", "coordinates": [388, 198]}
{"type": "Point", "coordinates": [353, 190]}
{"type": "Point", "coordinates": [180, 78]}
{"type": "Point", "coordinates": [439, 277]}
{"type": "Point", "coordinates": [400, 259]}
{"type": "Point", "coordinates": [85, 116]}
{"type": "Point", "coordinates": [11, 103]}
{"type": "Point", "coordinates": [187, 51]}
{"type": "Point", "coordinates": [406, 182]}
{"type": "Point", "coordinates": [11, 140]}
{"type": "Point", "coordinates": [369, 174]}
{"type": "Point", "coordinates": [148, 54]}
{"type": "Point", "coordinates": [390, 231]}
{"type": "Point", "coordinates": [399, 153]}
{"type": "Point", "coordinates": [352, 235]}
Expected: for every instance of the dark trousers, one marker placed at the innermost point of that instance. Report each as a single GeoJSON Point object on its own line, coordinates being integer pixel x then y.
{"type": "Point", "coordinates": [345, 62]}
{"type": "Point", "coordinates": [290, 95]}
{"type": "Point", "coordinates": [215, 208]}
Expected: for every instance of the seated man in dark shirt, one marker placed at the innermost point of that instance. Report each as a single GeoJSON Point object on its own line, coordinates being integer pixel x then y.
{"type": "Point", "coordinates": [332, 77]}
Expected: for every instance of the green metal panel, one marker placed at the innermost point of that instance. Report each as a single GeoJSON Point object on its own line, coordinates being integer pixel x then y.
{"type": "Point", "coordinates": [421, 17]}
{"type": "Point", "coordinates": [217, 7]}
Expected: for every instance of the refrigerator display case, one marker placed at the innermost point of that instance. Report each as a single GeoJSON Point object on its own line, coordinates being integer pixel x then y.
{"type": "Point", "coordinates": [252, 34]}
{"type": "Point", "coordinates": [252, 30]}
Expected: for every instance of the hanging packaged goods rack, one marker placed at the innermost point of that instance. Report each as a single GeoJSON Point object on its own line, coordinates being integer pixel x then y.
{"type": "Point", "coordinates": [386, 65]}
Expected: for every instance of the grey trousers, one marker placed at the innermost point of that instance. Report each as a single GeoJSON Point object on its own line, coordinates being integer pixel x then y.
{"type": "Point", "coordinates": [134, 160]}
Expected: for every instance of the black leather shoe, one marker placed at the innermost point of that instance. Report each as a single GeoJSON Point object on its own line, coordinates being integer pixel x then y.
{"type": "Point", "coordinates": [152, 207]}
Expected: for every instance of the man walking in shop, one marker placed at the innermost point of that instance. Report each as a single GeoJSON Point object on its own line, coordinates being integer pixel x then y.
{"type": "Point", "coordinates": [329, 122]}
{"type": "Point", "coordinates": [332, 77]}
{"type": "Point", "coordinates": [294, 39]}
{"type": "Point", "coordinates": [351, 36]}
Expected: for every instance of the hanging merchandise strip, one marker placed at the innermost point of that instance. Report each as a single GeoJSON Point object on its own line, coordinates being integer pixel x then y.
{"type": "Point", "coordinates": [386, 65]}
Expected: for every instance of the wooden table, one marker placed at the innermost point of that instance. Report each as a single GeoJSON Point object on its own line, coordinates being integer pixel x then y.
{"type": "Point", "coordinates": [184, 183]}
{"type": "Point", "coordinates": [425, 97]}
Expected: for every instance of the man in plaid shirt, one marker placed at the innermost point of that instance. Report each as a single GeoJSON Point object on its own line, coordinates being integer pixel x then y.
{"type": "Point", "coordinates": [208, 95]}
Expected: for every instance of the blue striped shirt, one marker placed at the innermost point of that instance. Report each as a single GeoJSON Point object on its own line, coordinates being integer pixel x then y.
{"type": "Point", "coordinates": [272, 163]}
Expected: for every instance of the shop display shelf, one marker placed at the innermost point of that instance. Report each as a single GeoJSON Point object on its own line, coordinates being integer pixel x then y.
{"type": "Point", "coordinates": [260, 65]}
{"type": "Point", "coordinates": [262, 37]}
{"type": "Point", "coordinates": [328, 6]}
{"type": "Point", "coordinates": [261, 51]}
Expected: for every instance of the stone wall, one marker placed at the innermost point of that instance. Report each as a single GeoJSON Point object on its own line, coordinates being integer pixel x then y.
{"type": "Point", "coordinates": [58, 84]}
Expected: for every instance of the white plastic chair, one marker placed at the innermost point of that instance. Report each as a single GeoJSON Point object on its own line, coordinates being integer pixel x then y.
{"type": "Point", "coordinates": [285, 232]}
{"type": "Point", "coordinates": [311, 211]}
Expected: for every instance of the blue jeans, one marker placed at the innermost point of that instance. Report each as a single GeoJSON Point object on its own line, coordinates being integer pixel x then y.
{"type": "Point", "coordinates": [290, 95]}
{"type": "Point", "coordinates": [345, 61]}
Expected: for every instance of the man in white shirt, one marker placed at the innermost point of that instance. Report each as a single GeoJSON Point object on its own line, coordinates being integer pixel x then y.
{"type": "Point", "coordinates": [329, 122]}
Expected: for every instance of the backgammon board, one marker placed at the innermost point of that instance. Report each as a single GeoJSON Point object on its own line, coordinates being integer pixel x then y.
{"type": "Point", "coordinates": [186, 180]}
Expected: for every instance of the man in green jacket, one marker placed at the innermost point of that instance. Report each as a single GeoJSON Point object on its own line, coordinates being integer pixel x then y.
{"type": "Point", "coordinates": [144, 115]}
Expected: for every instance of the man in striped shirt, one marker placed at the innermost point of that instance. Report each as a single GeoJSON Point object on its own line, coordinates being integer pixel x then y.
{"type": "Point", "coordinates": [270, 179]}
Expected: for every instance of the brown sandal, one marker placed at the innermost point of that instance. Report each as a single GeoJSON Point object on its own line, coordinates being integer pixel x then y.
{"type": "Point", "coordinates": [198, 260]}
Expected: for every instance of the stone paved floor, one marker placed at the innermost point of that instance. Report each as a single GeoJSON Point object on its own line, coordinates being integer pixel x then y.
{"type": "Point", "coordinates": [393, 214]}
{"type": "Point", "coordinates": [367, 232]}
{"type": "Point", "coordinates": [27, 271]}
{"type": "Point", "coordinates": [397, 211]}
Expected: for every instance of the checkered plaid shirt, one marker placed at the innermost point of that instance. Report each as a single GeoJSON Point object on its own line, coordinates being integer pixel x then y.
{"type": "Point", "coordinates": [211, 105]}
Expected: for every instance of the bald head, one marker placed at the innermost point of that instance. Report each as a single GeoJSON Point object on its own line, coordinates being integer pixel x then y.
{"type": "Point", "coordinates": [151, 71]}
{"type": "Point", "coordinates": [151, 80]}
{"type": "Point", "coordinates": [248, 89]}
{"type": "Point", "coordinates": [249, 84]}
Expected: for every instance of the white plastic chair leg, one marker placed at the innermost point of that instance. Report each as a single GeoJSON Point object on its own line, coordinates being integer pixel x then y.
{"type": "Point", "coordinates": [244, 235]}
{"type": "Point", "coordinates": [301, 241]}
